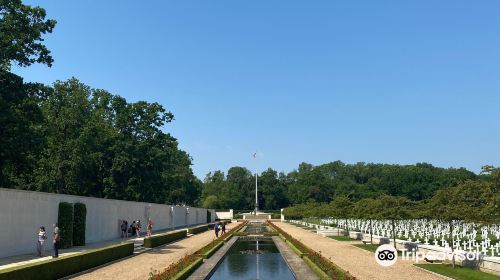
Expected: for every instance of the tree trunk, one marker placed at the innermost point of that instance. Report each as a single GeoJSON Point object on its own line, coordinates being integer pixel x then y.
{"type": "Point", "coordinates": [371, 232]}
{"type": "Point", "coordinates": [393, 233]}
{"type": "Point", "coordinates": [347, 228]}
{"type": "Point", "coordinates": [452, 241]}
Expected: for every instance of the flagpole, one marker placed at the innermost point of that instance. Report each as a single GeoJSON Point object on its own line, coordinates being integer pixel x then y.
{"type": "Point", "coordinates": [256, 200]}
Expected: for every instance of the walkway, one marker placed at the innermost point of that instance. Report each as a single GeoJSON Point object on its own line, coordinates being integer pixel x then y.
{"type": "Point", "coordinates": [33, 258]}
{"type": "Point", "coordinates": [360, 263]}
{"type": "Point", "coordinates": [158, 258]}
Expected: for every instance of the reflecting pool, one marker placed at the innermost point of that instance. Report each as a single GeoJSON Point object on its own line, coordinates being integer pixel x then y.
{"type": "Point", "coordinates": [253, 259]}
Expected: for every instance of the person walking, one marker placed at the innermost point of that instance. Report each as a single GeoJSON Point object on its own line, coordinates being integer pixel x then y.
{"type": "Point", "coordinates": [223, 228]}
{"type": "Point", "coordinates": [41, 240]}
{"type": "Point", "coordinates": [124, 227]}
{"type": "Point", "coordinates": [132, 228]}
{"type": "Point", "coordinates": [216, 229]}
{"type": "Point", "coordinates": [138, 228]}
{"type": "Point", "coordinates": [150, 227]}
{"type": "Point", "coordinates": [56, 236]}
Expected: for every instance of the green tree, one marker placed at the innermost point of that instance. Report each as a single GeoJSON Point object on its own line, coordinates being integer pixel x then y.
{"type": "Point", "coordinates": [21, 31]}
{"type": "Point", "coordinates": [395, 208]}
{"type": "Point", "coordinates": [341, 209]}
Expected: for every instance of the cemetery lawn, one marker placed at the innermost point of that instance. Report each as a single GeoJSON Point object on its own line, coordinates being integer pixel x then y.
{"type": "Point", "coordinates": [343, 238]}
{"type": "Point", "coordinates": [458, 272]}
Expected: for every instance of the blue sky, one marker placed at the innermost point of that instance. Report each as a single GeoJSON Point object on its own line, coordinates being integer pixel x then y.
{"type": "Point", "coordinates": [314, 81]}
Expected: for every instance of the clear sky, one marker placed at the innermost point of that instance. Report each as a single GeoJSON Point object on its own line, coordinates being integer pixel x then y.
{"type": "Point", "coordinates": [314, 81]}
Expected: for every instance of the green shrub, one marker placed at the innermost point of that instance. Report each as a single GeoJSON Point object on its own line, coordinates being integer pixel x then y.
{"type": "Point", "coordinates": [65, 223]}
{"type": "Point", "coordinates": [198, 229]}
{"type": "Point", "coordinates": [209, 216]}
{"type": "Point", "coordinates": [80, 215]}
{"type": "Point", "coordinates": [67, 265]}
{"type": "Point", "coordinates": [160, 239]}
{"type": "Point", "coordinates": [276, 216]}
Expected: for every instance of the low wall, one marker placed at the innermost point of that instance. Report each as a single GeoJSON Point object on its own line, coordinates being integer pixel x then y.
{"type": "Point", "coordinates": [228, 215]}
{"type": "Point", "coordinates": [23, 212]}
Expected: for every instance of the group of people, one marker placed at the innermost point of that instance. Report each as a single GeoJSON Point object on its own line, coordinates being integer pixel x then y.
{"type": "Point", "coordinates": [42, 237]}
{"type": "Point", "coordinates": [219, 227]}
{"type": "Point", "coordinates": [135, 228]}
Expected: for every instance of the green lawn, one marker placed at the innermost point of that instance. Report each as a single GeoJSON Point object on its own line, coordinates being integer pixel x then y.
{"type": "Point", "coordinates": [459, 273]}
{"type": "Point", "coordinates": [343, 238]}
{"type": "Point", "coordinates": [372, 248]}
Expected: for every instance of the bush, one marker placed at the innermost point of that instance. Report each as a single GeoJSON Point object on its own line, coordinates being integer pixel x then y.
{"type": "Point", "coordinates": [79, 218]}
{"type": "Point", "coordinates": [198, 229]}
{"type": "Point", "coordinates": [160, 239]}
{"type": "Point", "coordinates": [209, 216]}
{"type": "Point", "coordinates": [65, 223]}
{"type": "Point", "coordinates": [67, 265]}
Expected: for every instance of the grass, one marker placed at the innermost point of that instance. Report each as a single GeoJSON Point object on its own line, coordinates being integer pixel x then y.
{"type": "Point", "coordinates": [343, 238]}
{"type": "Point", "coordinates": [458, 272]}
{"type": "Point", "coordinates": [372, 248]}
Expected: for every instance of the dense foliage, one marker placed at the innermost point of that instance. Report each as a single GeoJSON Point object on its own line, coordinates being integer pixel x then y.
{"type": "Point", "coordinates": [477, 201]}
{"type": "Point", "coordinates": [73, 139]}
{"type": "Point", "coordinates": [324, 183]}
{"type": "Point", "coordinates": [79, 225]}
{"type": "Point", "coordinates": [65, 223]}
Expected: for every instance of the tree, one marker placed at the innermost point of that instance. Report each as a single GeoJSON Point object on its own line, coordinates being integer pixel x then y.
{"type": "Point", "coordinates": [21, 134]}
{"type": "Point", "coordinates": [341, 209]}
{"type": "Point", "coordinates": [367, 209]}
{"type": "Point", "coordinates": [21, 29]}
{"type": "Point", "coordinates": [395, 208]}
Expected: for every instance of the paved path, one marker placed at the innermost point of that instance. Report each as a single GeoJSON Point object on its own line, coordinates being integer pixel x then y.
{"type": "Point", "coordinates": [33, 258]}
{"type": "Point", "coordinates": [159, 258]}
{"type": "Point", "coordinates": [360, 263]}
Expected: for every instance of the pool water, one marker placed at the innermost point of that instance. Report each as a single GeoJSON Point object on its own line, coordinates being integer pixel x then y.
{"type": "Point", "coordinates": [253, 259]}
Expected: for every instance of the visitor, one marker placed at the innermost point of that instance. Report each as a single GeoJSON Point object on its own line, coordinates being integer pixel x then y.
{"type": "Point", "coordinates": [138, 228]}
{"type": "Point", "coordinates": [124, 227]}
{"type": "Point", "coordinates": [216, 229]}
{"type": "Point", "coordinates": [150, 227]}
{"type": "Point", "coordinates": [56, 236]}
{"type": "Point", "coordinates": [132, 229]}
{"type": "Point", "coordinates": [220, 227]}
{"type": "Point", "coordinates": [41, 240]}
{"type": "Point", "coordinates": [223, 228]}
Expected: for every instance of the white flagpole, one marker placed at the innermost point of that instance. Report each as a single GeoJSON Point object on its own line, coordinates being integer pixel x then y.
{"type": "Point", "coordinates": [256, 200]}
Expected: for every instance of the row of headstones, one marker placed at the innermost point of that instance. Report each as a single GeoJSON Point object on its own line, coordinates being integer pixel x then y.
{"type": "Point", "coordinates": [427, 232]}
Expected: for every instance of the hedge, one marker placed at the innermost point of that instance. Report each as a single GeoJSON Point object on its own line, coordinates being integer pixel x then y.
{"type": "Point", "coordinates": [209, 216]}
{"type": "Point", "coordinates": [320, 262]}
{"type": "Point", "coordinates": [79, 217]}
{"type": "Point", "coordinates": [198, 229]}
{"type": "Point", "coordinates": [67, 265]}
{"type": "Point", "coordinates": [160, 239]}
{"type": "Point", "coordinates": [186, 272]}
{"type": "Point", "coordinates": [65, 224]}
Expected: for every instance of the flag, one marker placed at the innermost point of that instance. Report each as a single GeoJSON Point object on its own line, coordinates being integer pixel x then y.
{"type": "Point", "coordinates": [255, 155]}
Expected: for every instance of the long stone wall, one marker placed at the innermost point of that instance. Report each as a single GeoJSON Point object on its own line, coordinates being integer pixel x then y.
{"type": "Point", "coordinates": [23, 212]}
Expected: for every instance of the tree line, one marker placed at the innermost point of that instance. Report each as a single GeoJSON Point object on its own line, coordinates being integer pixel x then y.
{"type": "Point", "coordinates": [70, 138]}
{"type": "Point", "coordinates": [324, 183]}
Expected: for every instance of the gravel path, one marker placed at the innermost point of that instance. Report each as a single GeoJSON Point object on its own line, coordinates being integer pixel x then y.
{"type": "Point", "coordinates": [139, 267]}
{"type": "Point", "coordinates": [360, 263]}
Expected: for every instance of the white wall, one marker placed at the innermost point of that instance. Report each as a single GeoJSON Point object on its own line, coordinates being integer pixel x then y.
{"type": "Point", "coordinates": [225, 215]}
{"type": "Point", "coordinates": [23, 212]}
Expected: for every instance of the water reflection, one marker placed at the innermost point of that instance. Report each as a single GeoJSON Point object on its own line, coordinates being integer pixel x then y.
{"type": "Point", "coordinates": [247, 261]}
